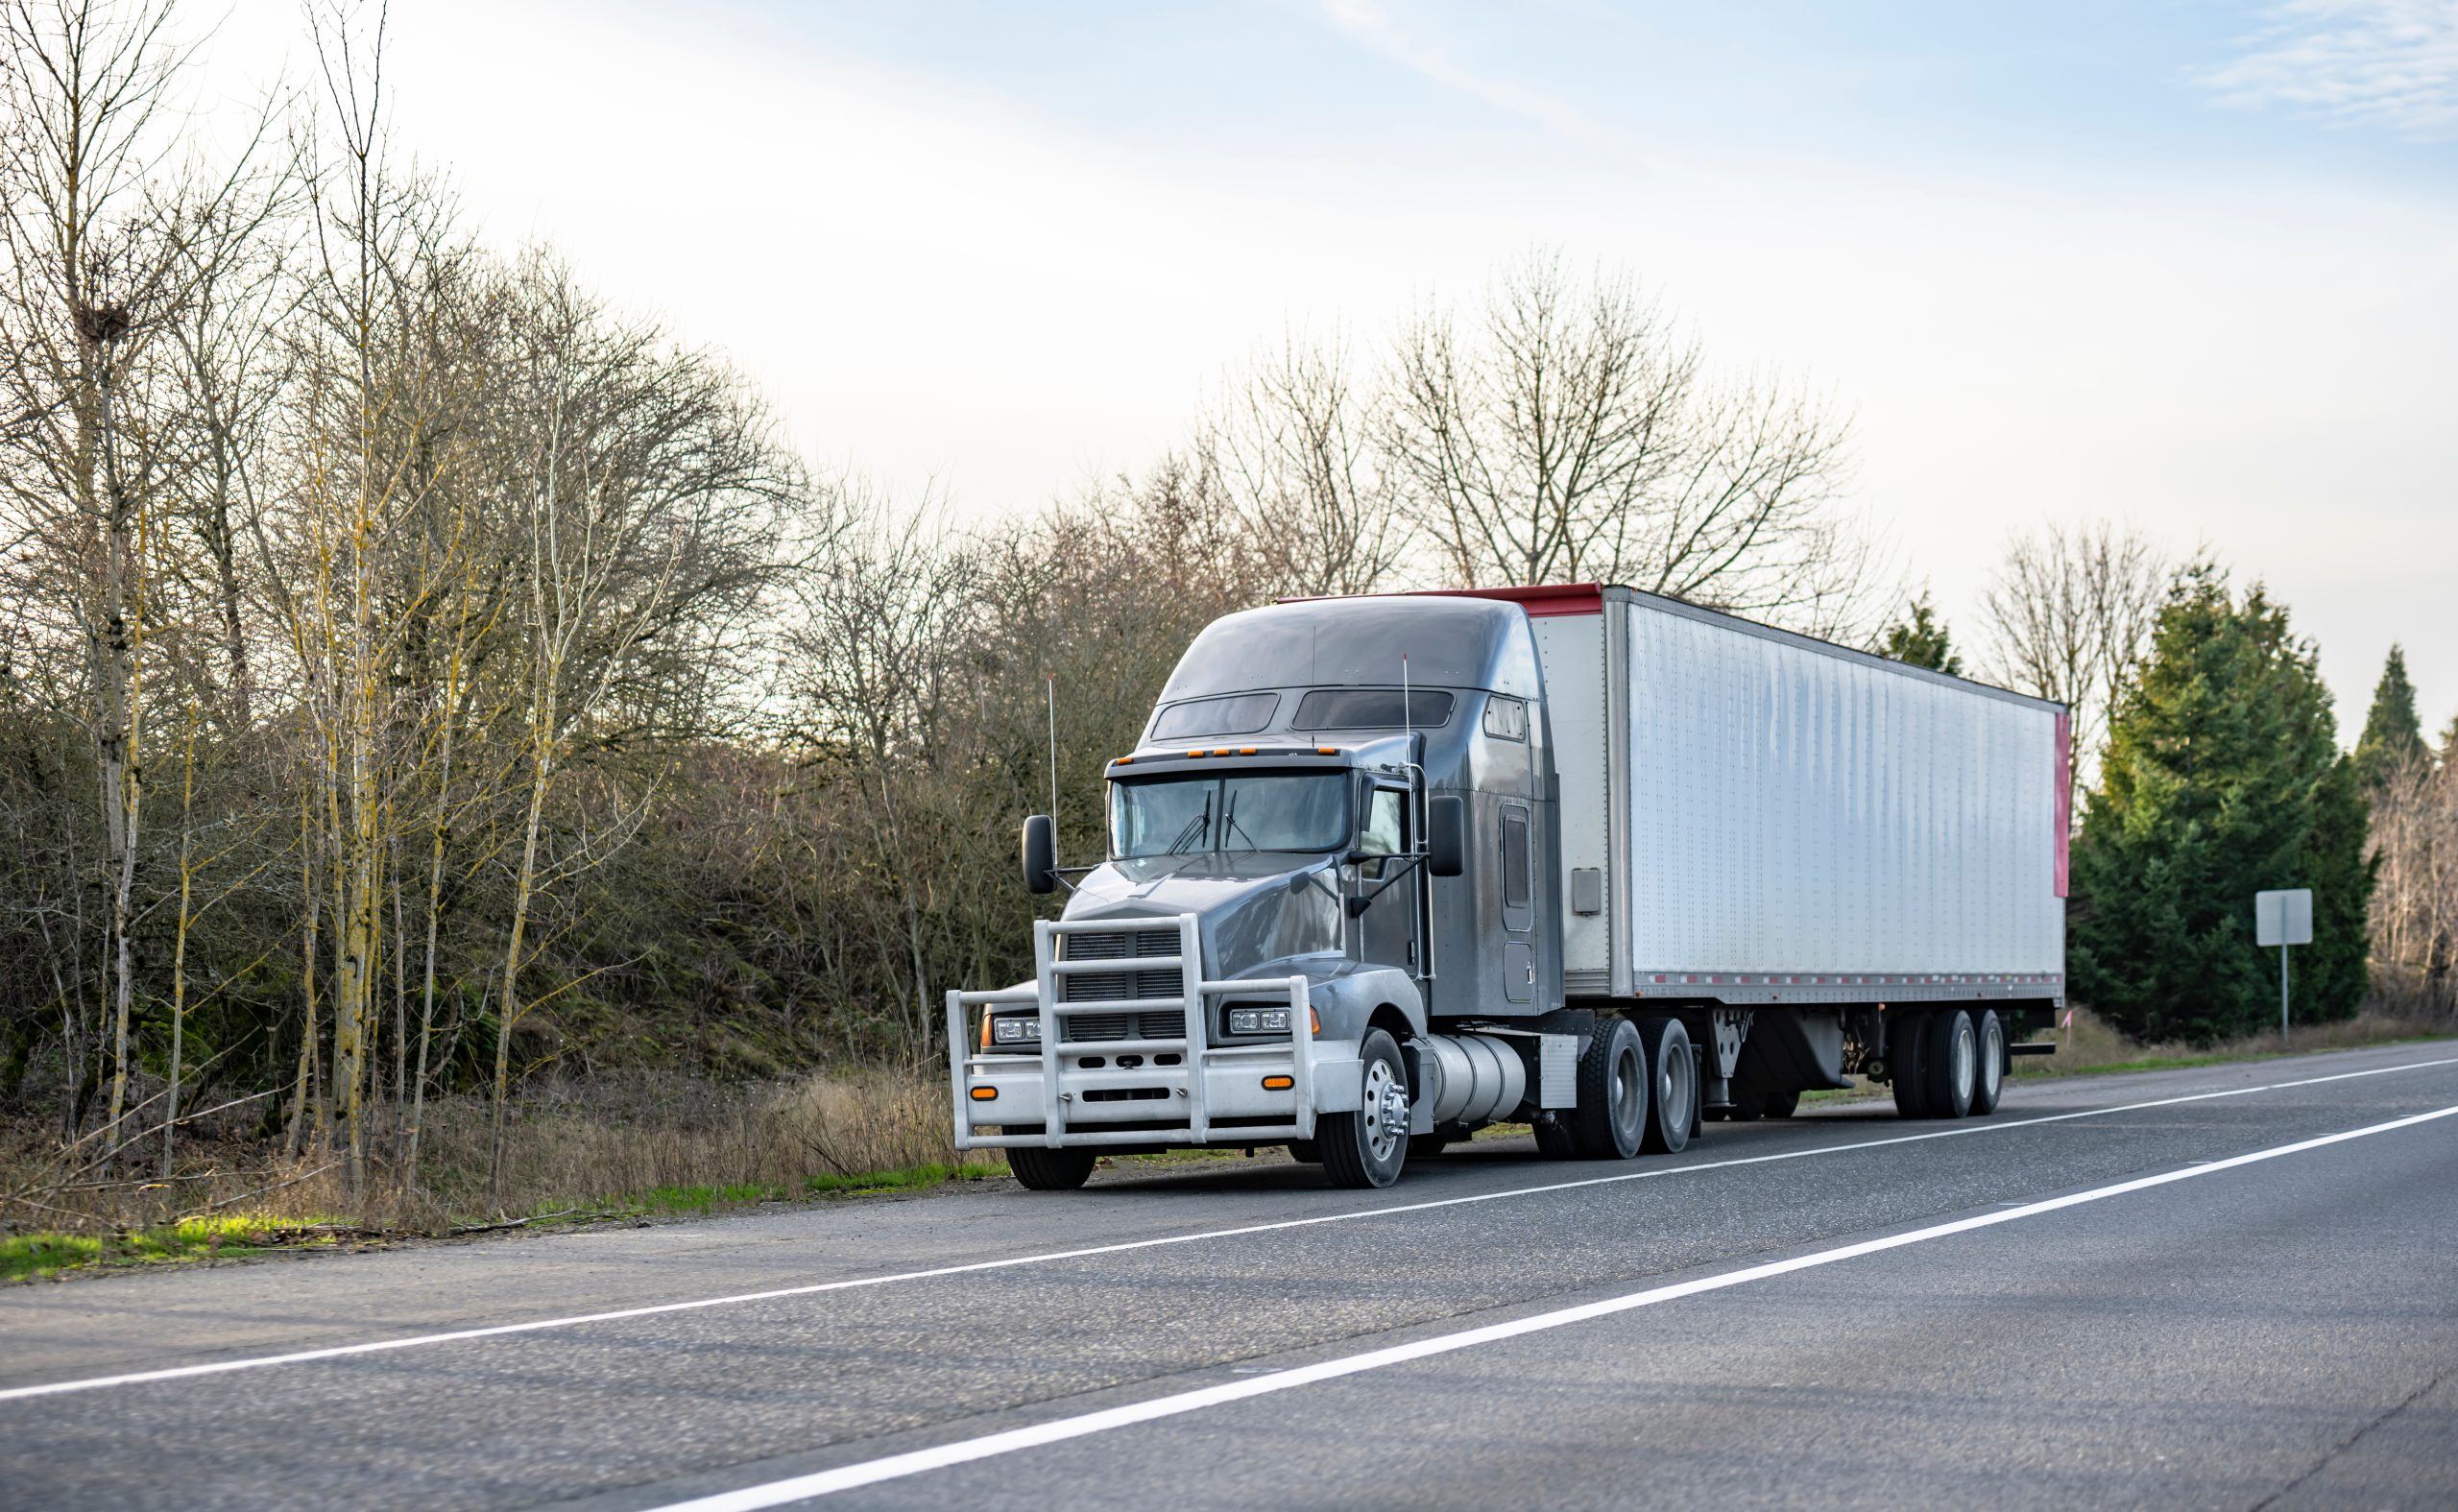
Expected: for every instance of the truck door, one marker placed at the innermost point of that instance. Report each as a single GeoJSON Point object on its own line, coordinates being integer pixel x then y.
{"type": "Point", "coordinates": [1517, 874]}
{"type": "Point", "coordinates": [1388, 929]}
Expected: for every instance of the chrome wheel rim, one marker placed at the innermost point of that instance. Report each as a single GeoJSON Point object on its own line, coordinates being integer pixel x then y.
{"type": "Point", "coordinates": [1387, 1111]}
{"type": "Point", "coordinates": [1992, 1060]}
{"type": "Point", "coordinates": [1628, 1089]}
{"type": "Point", "coordinates": [1672, 1091]}
{"type": "Point", "coordinates": [1966, 1059]}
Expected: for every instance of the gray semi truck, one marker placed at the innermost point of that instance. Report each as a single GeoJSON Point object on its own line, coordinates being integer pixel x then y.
{"type": "Point", "coordinates": [1385, 870]}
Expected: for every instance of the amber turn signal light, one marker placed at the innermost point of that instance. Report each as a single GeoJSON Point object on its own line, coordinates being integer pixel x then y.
{"type": "Point", "coordinates": [1279, 1083]}
{"type": "Point", "coordinates": [985, 1093]}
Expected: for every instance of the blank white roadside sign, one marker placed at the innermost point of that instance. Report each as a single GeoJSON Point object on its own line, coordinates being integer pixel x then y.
{"type": "Point", "coordinates": [2283, 918]}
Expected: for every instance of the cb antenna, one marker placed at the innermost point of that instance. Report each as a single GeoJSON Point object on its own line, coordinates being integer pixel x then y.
{"type": "Point", "coordinates": [1050, 683]}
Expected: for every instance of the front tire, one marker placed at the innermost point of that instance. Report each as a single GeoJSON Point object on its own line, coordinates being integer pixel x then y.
{"type": "Point", "coordinates": [1043, 1169]}
{"type": "Point", "coordinates": [1366, 1147]}
{"type": "Point", "coordinates": [1990, 1082]}
{"type": "Point", "coordinates": [1611, 1117]}
{"type": "Point", "coordinates": [1673, 1086]}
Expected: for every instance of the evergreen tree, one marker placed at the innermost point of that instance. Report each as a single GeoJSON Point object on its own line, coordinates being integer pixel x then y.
{"type": "Point", "coordinates": [2393, 733]}
{"type": "Point", "coordinates": [2222, 779]}
{"type": "Point", "coordinates": [1922, 640]}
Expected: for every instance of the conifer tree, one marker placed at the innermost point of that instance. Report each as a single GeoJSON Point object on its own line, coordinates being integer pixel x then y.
{"type": "Point", "coordinates": [2393, 732]}
{"type": "Point", "coordinates": [1922, 640]}
{"type": "Point", "coordinates": [2222, 779]}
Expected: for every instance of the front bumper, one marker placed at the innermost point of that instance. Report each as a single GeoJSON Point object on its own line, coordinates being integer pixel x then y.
{"type": "Point", "coordinates": [1185, 1090]}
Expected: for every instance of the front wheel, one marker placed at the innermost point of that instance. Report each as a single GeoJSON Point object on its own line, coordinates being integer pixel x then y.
{"type": "Point", "coordinates": [1044, 1169]}
{"type": "Point", "coordinates": [1366, 1147]}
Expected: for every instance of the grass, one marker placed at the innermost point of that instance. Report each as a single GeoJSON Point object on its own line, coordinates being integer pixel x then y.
{"type": "Point", "coordinates": [38, 1257]}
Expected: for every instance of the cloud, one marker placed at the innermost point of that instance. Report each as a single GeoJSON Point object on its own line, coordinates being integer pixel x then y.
{"type": "Point", "coordinates": [1367, 23]}
{"type": "Point", "coordinates": [2388, 63]}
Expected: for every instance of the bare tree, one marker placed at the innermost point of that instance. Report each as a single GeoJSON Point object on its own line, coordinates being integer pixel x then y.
{"type": "Point", "coordinates": [1293, 443]}
{"type": "Point", "coordinates": [2068, 615]}
{"type": "Point", "coordinates": [104, 236]}
{"type": "Point", "coordinates": [1570, 431]}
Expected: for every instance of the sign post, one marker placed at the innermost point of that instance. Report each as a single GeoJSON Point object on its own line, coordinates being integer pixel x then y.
{"type": "Point", "coordinates": [2283, 919]}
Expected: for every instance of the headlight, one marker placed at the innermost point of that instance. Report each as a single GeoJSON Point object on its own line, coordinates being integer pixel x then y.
{"type": "Point", "coordinates": [1015, 1029]}
{"type": "Point", "coordinates": [1258, 1020]}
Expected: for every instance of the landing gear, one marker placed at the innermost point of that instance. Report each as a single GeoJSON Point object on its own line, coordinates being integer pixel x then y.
{"type": "Point", "coordinates": [1366, 1147]}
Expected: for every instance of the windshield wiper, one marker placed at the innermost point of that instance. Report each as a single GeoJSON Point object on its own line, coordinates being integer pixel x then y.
{"type": "Point", "coordinates": [1229, 825]}
{"type": "Point", "coordinates": [1198, 828]}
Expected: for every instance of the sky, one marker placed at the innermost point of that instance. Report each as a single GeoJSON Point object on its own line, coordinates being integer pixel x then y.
{"type": "Point", "coordinates": [2185, 264]}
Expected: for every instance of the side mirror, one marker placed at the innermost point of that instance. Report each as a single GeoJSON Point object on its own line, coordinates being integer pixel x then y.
{"type": "Point", "coordinates": [1446, 834]}
{"type": "Point", "coordinates": [1041, 854]}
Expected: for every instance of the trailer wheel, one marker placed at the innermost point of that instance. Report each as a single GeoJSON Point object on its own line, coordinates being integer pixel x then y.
{"type": "Point", "coordinates": [1611, 1116]}
{"type": "Point", "coordinates": [1673, 1086]}
{"type": "Point", "coordinates": [1044, 1169]}
{"type": "Point", "coordinates": [1990, 1082]}
{"type": "Point", "coordinates": [1783, 1104]}
{"type": "Point", "coordinates": [1952, 1064]}
{"type": "Point", "coordinates": [1906, 1060]}
{"type": "Point", "coordinates": [1426, 1146]}
{"type": "Point", "coordinates": [1305, 1152]}
{"type": "Point", "coordinates": [1366, 1147]}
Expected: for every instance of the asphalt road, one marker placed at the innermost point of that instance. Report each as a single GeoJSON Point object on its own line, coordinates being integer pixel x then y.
{"type": "Point", "coordinates": [2118, 1291]}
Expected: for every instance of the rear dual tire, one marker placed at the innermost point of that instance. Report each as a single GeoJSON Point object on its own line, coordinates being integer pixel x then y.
{"type": "Point", "coordinates": [1948, 1064]}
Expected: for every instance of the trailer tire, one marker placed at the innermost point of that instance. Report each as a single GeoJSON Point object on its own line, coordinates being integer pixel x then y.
{"type": "Point", "coordinates": [1362, 1147]}
{"type": "Point", "coordinates": [1426, 1146]}
{"type": "Point", "coordinates": [1553, 1139]}
{"type": "Point", "coordinates": [1783, 1104]}
{"type": "Point", "coordinates": [1673, 1086]}
{"type": "Point", "coordinates": [1040, 1168]}
{"type": "Point", "coordinates": [1989, 1084]}
{"type": "Point", "coordinates": [1610, 1121]}
{"type": "Point", "coordinates": [1907, 1059]}
{"type": "Point", "coordinates": [1305, 1152]}
{"type": "Point", "coordinates": [1950, 1064]}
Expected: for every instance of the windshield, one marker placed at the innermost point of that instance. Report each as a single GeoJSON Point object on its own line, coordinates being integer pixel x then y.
{"type": "Point", "coordinates": [1271, 811]}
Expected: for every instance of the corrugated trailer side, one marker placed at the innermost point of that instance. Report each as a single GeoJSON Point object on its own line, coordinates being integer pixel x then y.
{"type": "Point", "coordinates": [1768, 818]}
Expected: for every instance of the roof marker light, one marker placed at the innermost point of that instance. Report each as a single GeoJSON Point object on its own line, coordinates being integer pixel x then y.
{"type": "Point", "coordinates": [1327, 750]}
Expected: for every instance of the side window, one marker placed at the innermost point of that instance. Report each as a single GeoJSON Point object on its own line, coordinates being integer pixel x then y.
{"type": "Point", "coordinates": [1382, 836]}
{"type": "Point", "coordinates": [1506, 718]}
{"type": "Point", "coordinates": [1514, 858]}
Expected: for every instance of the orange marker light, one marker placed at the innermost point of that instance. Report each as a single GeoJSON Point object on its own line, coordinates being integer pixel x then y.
{"type": "Point", "coordinates": [985, 1093]}
{"type": "Point", "coordinates": [1327, 750]}
{"type": "Point", "coordinates": [1194, 753]}
{"type": "Point", "coordinates": [1245, 751]}
{"type": "Point", "coordinates": [1124, 762]}
{"type": "Point", "coordinates": [1316, 1019]}
{"type": "Point", "coordinates": [1279, 1083]}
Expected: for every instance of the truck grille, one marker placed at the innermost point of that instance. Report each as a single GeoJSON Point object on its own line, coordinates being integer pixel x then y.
{"type": "Point", "coordinates": [1090, 987]}
{"type": "Point", "coordinates": [1086, 1028]}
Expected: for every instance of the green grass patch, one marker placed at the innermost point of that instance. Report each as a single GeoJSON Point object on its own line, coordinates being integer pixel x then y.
{"type": "Point", "coordinates": [37, 1256]}
{"type": "Point", "coordinates": [912, 1178]}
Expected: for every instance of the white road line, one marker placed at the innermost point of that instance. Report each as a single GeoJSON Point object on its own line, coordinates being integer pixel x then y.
{"type": "Point", "coordinates": [1051, 1257]}
{"type": "Point", "coordinates": [894, 1467]}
